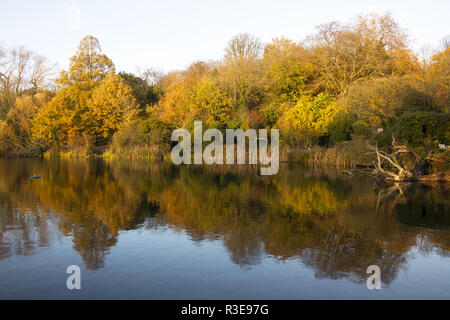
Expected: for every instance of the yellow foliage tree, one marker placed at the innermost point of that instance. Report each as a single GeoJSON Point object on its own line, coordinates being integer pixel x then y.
{"type": "Point", "coordinates": [174, 108]}
{"type": "Point", "coordinates": [91, 100]}
{"type": "Point", "coordinates": [309, 118]}
{"type": "Point", "coordinates": [88, 66]}
{"type": "Point", "coordinates": [212, 105]}
{"type": "Point", "coordinates": [110, 105]}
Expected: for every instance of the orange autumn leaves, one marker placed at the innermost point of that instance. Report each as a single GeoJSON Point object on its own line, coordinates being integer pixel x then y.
{"type": "Point", "coordinates": [92, 100]}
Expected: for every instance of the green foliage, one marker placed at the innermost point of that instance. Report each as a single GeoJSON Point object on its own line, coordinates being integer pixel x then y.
{"type": "Point", "coordinates": [341, 127]}
{"type": "Point", "coordinates": [272, 112]}
{"type": "Point", "coordinates": [376, 100]}
{"type": "Point", "coordinates": [382, 139]}
{"type": "Point", "coordinates": [212, 105]}
{"type": "Point", "coordinates": [145, 94]}
{"type": "Point", "coordinates": [289, 74]}
{"type": "Point", "coordinates": [362, 129]}
{"type": "Point", "coordinates": [423, 128]}
{"type": "Point", "coordinates": [155, 132]}
{"type": "Point", "coordinates": [145, 136]}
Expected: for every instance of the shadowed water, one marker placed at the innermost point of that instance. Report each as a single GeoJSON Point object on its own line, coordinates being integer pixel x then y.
{"type": "Point", "coordinates": [145, 230]}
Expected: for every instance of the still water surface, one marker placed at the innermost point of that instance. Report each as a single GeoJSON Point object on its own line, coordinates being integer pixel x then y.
{"type": "Point", "coordinates": [142, 230]}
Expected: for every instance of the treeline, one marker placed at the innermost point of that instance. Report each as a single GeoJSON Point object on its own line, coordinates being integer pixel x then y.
{"type": "Point", "coordinates": [346, 87]}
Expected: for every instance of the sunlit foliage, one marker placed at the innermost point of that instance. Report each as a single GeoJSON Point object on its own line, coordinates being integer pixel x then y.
{"type": "Point", "coordinates": [346, 81]}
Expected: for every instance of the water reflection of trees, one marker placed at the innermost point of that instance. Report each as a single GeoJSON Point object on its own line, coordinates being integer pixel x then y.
{"type": "Point", "coordinates": [334, 225]}
{"type": "Point", "coordinates": [23, 234]}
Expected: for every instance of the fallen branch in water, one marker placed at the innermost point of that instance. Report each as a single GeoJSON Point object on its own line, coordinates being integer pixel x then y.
{"type": "Point", "coordinates": [402, 174]}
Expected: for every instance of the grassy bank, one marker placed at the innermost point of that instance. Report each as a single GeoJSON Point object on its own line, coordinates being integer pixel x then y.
{"type": "Point", "coordinates": [137, 152]}
{"type": "Point", "coordinates": [347, 154]}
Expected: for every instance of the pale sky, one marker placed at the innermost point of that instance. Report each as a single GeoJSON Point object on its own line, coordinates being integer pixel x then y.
{"type": "Point", "coordinates": [171, 34]}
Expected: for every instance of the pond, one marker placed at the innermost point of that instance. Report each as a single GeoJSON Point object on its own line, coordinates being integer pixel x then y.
{"type": "Point", "coordinates": [148, 230]}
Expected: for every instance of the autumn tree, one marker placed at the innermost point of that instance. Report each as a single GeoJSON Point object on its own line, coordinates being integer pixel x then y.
{"type": "Point", "coordinates": [21, 70]}
{"type": "Point", "coordinates": [288, 76]}
{"type": "Point", "coordinates": [16, 135]}
{"type": "Point", "coordinates": [243, 46]}
{"type": "Point", "coordinates": [213, 106]}
{"type": "Point", "coordinates": [88, 66]}
{"type": "Point", "coordinates": [288, 70]}
{"type": "Point", "coordinates": [240, 75]}
{"type": "Point", "coordinates": [174, 107]}
{"type": "Point", "coordinates": [377, 100]}
{"type": "Point", "coordinates": [110, 106]}
{"type": "Point", "coordinates": [374, 46]}
{"type": "Point", "coordinates": [308, 120]}
{"type": "Point", "coordinates": [435, 80]}
{"type": "Point", "coordinates": [91, 100]}
{"type": "Point", "coordinates": [178, 106]}
{"type": "Point", "coordinates": [26, 107]}
{"type": "Point", "coordinates": [352, 80]}
{"type": "Point", "coordinates": [143, 90]}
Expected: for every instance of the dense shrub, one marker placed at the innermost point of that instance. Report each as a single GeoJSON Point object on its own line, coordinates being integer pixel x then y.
{"type": "Point", "coordinates": [141, 137]}
{"type": "Point", "coordinates": [341, 128]}
{"type": "Point", "coordinates": [423, 128]}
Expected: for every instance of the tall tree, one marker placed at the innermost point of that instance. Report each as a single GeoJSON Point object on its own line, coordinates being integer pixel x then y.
{"type": "Point", "coordinates": [348, 53]}
{"type": "Point", "coordinates": [88, 66]}
{"type": "Point", "coordinates": [20, 70]}
{"type": "Point", "coordinates": [91, 100]}
{"type": "Point", "coordinates": [111, 105]}
{"type": "Point", "coordinates": [244, 46]}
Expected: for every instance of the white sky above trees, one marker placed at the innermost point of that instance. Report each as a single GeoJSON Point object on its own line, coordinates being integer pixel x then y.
{"type": "Point", "coordinates": [171, 34]}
